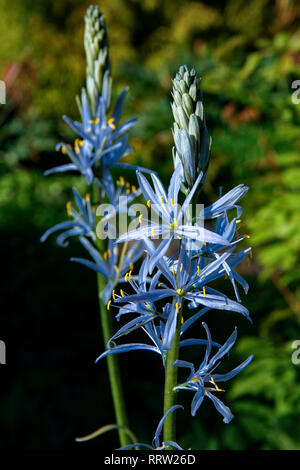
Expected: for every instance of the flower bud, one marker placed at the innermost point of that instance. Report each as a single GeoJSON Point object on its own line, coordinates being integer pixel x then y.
{"type": "Point", "coordinates": [98, 67]}
{"type": "Point", "coordinates": [191, 138]}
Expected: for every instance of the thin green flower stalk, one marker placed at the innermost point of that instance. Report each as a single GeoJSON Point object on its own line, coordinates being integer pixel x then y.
{"type": "Point", "coordinates": [191, 138]}
{"type": "Point", "coordinates": [98, 70]}
{"type": "Point", "coordinates": [113, 369]}
{"type": "Point", "coordinates": [98, 83]}
{"type": "Point", "coordinates": [114, 374]}
{"type": "Point", "coordinates": [170, 384]}
{"type": "Point", "coordinates": [184, 278]}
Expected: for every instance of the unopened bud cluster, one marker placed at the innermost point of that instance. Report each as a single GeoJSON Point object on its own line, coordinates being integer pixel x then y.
{"type": "Point", "coordinates": [191, 138]}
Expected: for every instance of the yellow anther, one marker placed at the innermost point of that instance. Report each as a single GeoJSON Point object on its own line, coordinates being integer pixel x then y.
{"type": "Point", "coordinates": [63, 149]}
{"type": "Point", "coordinates": [205, 243]}
{"type": "Point", "coordinates": [161, 199]}
{"type": "Point", "coordinates": [88, 197]}
{"type": "Point", "coordinates": [177, 307]}
{"type": "Point", "coordinates": [95, 121]}
{"type": "Point", "coordinates": [247, 236]}
{"type": "Point", "coordinates": [204, 291]}
{"type": "Point", "coordinates": [140, 218]}
{"type": "Point", "coordinates": [89, 129]}
{"type": "Point", "coordinates": [181, 267]}
{"type": "Point", "coordinates": [68, 206]}
{"type": "Point", "coordinates": [160, 284]}
{"type": "Point", "coordinates": [122, 180]}
{"type": "Point", "coordinates": [129, 275]}
{"type": "Point", "coordinates": [238, 221]}
{"type": "Point", "coordinates": [198, 270]}
{"type": "Point", "coordinates": [113, 294]}
{"type": "Point", "coordinates": [251, 254]}
{"type": "Point", "coordinates": [133, 188]}
{"type": "Point", "coordinates": [127, 185]}
{"type": "Point", "coordinates": [108, 305]}
{"type": "Point", "coordinates": [110, 123]}
{"type": "Point", "coordinates": [173, 271]}
{"type": "Point", "coordinates": [116, 268]}
{"type": "Point", "coordinates": [126, 276]}
{"type": "Point", "coordinates": [78, 143]}
{"type": "Point", "coordinates": [215, 385]}
{"type": "Point", "coordinates": [149, 203]}
{"type": "Point", "coordinates": [172, 227]}
{"type": "Point", "coordinates": [180, 292]}
{"type": "Point", "coordinates": [122, 293]}
{"type": "Point", "coordinates": [148, 306]}
{"type": "Point", "coordinates": [131, 268]}
{"type": "Point", "coordinates": [226, 276]}
{"type": "Point", "coordinates": [172, 203]}
{"type": "Point", "coordinates": [153, 232]}
{"type": "Point", "coordinates": [175, 222]}
{"type": "Point", "coordinates": [105, 255]}
{"type": "Point", "coordinates": [182, 320]}
{"type": "Point", "coordinates": [163, 309]}
{"type": "Point", "coordinates": [128, 191]}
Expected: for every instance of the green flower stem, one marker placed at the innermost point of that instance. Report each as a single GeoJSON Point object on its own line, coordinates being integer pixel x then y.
{"type": "Point", "coordinates": [113, 368]}
{"type": "Point", "coordinates": [112, 360]}
{"type": "Point", "coordinates": [170, 383]}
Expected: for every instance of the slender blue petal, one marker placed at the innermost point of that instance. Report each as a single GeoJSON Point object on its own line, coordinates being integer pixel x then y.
{"type": "Point", "coordinates": [155, 442]}
{"type": "Point", "coordinates": [221, 408]}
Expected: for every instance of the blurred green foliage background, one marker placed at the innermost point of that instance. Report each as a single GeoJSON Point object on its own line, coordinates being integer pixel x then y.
{"type": "Point", "coordinates": [248, 54]}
